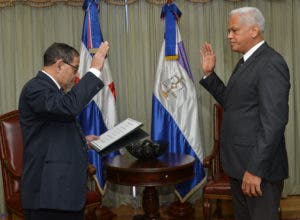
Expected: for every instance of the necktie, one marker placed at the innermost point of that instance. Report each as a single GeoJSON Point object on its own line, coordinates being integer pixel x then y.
{"type": "Point", "coordinates": [239, 65]}
{"type": "Point", "coordinates": [241, 62]}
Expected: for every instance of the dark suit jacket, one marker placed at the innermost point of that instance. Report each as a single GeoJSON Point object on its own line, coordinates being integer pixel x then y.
{"type": "Point", "coordinates": [55, 156]}
{"type": "Point", "coordinates": [255, 104]}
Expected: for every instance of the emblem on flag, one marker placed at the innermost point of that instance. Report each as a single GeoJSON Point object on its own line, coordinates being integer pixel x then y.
{"type": "Point", "coordinates": [174, 105]}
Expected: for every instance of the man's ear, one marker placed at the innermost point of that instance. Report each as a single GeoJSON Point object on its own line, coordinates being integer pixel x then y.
{"type": "Point", "coordinates": [59, 63]}
{"type": "Point", "coordinates": [254, 32]}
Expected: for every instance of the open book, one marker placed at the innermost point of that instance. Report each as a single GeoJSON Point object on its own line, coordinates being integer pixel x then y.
{"type": "Point", "coordinates": [125, 133]}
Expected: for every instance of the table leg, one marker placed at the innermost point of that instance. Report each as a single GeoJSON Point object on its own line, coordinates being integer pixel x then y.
{"type": "Point", "coordinates": [181, 210]}
{"type": "Point", "coordinates": [150, 204]}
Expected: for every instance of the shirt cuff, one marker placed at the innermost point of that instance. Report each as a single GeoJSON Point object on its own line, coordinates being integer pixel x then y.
{"type": "Point", "coordinates": [96, 72]}
{"type": "Point", "coordinates": [205, 76]}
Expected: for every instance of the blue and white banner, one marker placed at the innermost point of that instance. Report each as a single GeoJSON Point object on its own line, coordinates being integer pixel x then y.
{"type": "Point", "coordinates": [175, 114]}
{"type": "Point", "coordinates": [100, 114]}
{"type": "Point", "coordinates": [171, 14]}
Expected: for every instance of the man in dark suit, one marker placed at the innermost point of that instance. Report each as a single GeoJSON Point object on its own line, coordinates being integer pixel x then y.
{"type": "Point", "coordinates": [255, 103]}
{"type": "Point", "coordinates": [55, 152]}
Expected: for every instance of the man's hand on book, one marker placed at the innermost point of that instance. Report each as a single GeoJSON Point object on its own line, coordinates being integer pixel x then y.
{"type": "Point", "coordinates": [90, 138]}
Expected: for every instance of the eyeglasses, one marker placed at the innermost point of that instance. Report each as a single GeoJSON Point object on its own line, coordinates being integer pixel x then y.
{"type": "Point", "coordinates": [75, 67]}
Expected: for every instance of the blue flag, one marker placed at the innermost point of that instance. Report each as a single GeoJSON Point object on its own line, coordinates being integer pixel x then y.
{"type": "Point", "coordinates": [100, 114]}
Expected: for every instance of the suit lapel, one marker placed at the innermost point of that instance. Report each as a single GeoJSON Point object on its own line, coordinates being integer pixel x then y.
{"type": "Point", "coordinates": [238, 72]}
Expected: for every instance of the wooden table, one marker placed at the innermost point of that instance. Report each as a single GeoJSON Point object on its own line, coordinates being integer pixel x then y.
{"type": "Point", "coordinates": [166, 170]}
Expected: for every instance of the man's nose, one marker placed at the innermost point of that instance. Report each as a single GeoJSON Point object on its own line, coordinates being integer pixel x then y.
{"type": "Point", "coordinates": [229, 35]}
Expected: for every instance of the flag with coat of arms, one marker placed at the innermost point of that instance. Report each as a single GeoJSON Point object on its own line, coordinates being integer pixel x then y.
{"type": "Point", "coordinates": [174, 102]}
{"type": "Point", "coordinates": [100, 114]}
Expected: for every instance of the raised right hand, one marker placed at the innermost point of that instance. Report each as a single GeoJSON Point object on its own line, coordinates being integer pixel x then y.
{"type": "Point", "coordinates": [208, 59]}
{"type": "Point", "coordinates": [99, 56]}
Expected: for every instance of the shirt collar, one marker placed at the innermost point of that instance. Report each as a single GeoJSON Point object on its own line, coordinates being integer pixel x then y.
{"type": "Point", "coordinates": [56, 83]}
{"type": "Point", "coordinates": [252, 50]}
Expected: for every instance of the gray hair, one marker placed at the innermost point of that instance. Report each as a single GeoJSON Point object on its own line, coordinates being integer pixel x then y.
{"type": "Point", "coordinates": [250, 15]}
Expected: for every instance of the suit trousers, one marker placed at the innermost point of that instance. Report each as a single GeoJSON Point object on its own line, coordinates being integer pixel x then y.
{"type": "Point", "coordinates": [51, 214]}
{"type": "Point", "coordinates": [265, 207]}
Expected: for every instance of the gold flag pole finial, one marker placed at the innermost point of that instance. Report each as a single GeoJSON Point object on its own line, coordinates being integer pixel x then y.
{"type": "Point", "coordinates": [93, 50]}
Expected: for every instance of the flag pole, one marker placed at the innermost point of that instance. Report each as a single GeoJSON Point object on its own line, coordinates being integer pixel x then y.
{"type": "Point", "coordinates": [126, 15]}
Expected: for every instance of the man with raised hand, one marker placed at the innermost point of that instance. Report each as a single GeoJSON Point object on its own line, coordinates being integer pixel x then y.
{"type": "Point", "coordinates": [255, 103]}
